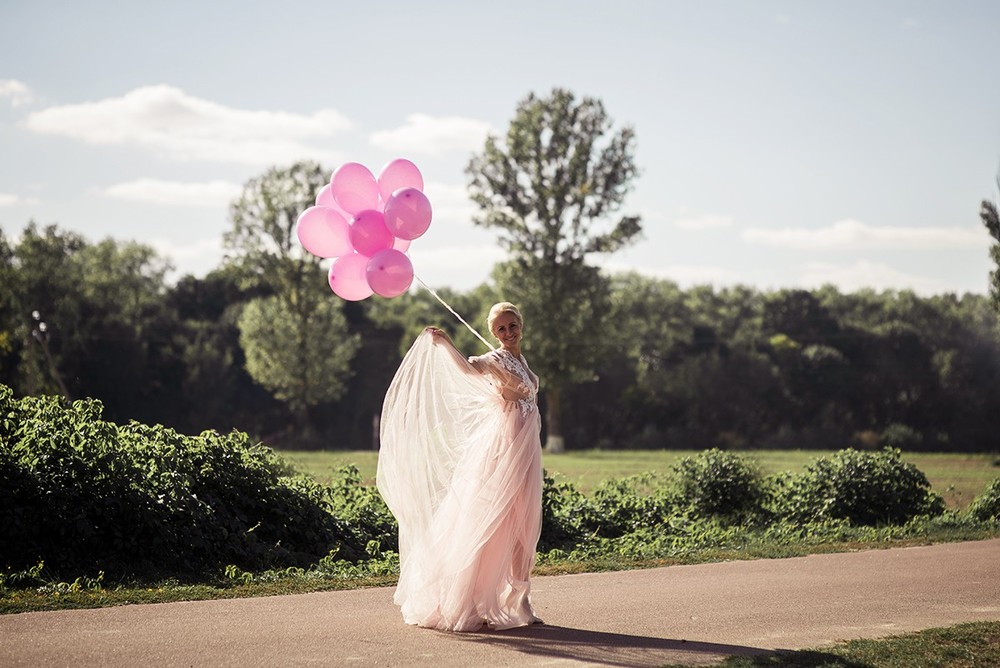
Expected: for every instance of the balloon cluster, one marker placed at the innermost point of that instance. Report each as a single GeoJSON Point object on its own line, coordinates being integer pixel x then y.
{"type": "Point", "coordinates": [367, 224]}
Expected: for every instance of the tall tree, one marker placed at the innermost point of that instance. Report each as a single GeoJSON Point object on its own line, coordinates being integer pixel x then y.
{"type": "Point", "coordinates": [307, 331]}
{"type": "Point", "coordinates": [551, 189]}
{"type": "Point", "coordinates": [991, 219]}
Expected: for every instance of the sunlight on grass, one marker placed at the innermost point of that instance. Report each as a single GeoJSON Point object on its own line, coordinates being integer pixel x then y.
{"type": "Point", "coordinates": [958, 477]}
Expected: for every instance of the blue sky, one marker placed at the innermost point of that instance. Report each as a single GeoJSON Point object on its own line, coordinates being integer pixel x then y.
{"type": "Point", "coordinates": [781, 143]}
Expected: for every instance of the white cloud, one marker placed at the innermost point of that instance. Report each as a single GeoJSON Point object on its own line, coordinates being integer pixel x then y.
{"type": "Point", "coordinates": [432, 135]}
{"type": "Point", "coordinates": [207, 194]}
{"type": "Point", "coordinates": [704, 222]}
{"type": "Point", "coordinates": [171, 123]}
{"type": "Point", "coordinates": [866, 274]}
{"type": "Point", "coordinates": [854, 235]}
{"type": "Point", "coordinates": [9, 199]}
{"type": "Point", "coordinates": [782, 18]}
{"type": "Point", "coordinates": [197, 257]}
{"type": "Point", "coordinates": [197, 249]}
{"type": "Point", "coordinates": [18, 92]}
{"type": "Point", "coordinates": [450, 203]}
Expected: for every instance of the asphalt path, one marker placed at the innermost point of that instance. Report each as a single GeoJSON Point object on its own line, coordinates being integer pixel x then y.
{"type": "Point", "coordinates": [694, 615]}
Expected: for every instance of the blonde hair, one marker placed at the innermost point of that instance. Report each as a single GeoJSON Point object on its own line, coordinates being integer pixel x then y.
{"type": "Point", "coordinates": [498, 310]}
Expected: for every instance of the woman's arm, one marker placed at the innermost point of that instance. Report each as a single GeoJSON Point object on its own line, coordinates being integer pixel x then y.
{"type": "Point", "coordinates": [441, 338]}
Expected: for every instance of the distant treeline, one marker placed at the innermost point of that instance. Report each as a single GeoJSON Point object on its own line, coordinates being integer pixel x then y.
{"type": "Point", "coordinates": [697, 368]}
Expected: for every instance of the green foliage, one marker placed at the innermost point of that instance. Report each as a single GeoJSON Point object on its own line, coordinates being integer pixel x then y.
{"type": "Point", "coordinates": [85, 502]}
{"type": "Point", "coordinates": [864, 488]}
{"type": "Point", "coordinates": [735, 368]}
{"type": "Point", "coordinates": [986, 507]}
{"type": "Point", "coordinates": [567, 515]}
{"type": "Point", "coordinates": [362, 508]}
{"type": "Point", "coordinates": [86, 495]}
{"type": "Point", "coordinates": [296, 339]}
{"type": "Point", "coordinates": [101, 305]}
{"type": "Point", "coordinates": [720, 484]}
{"type": "Point", "coordinates": [902, 437]}
{"type": "Point", "coordinates": [261, 242]}
{"type": "Point", "coordinates": [991, 219]}
{"type": "Point", "coordinates": [304, 358]}
{"type": "Point", "coordinates": [550, 189]}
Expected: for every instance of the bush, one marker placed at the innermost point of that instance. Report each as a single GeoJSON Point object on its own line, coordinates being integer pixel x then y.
{"type": "Point", "coordinates": [986, 506]}
{"type": "Point", "coordinates": [85, 495]}
{"type": "Point", "coordinates": [864, 488]}
{"type": "Point", "coordinates": [625, 505]}
{"type": "Point", "coordinates": [363, 509]}
{"type": "Point", "coordinates": [567, 515]}
{"type": "Point", "coordinates": [720, 484]}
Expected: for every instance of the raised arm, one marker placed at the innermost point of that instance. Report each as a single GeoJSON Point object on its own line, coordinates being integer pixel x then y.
{"type": "Point", "coordinates": [441, 338]}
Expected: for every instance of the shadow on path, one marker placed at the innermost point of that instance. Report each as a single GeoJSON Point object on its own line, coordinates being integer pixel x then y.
{"type": "Point", "coordinates": [612, 649]}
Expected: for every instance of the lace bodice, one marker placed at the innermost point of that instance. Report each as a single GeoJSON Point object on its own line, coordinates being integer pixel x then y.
{"type": "Point", "coordinates": [514, 380]}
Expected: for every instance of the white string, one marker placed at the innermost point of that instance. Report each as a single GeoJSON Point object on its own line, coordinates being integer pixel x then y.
{"type": "Point", "coordinates": [471, 329]}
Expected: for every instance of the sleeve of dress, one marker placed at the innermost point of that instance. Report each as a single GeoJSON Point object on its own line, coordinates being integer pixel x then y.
{"type": "Point", "coordinates": [434, 411]}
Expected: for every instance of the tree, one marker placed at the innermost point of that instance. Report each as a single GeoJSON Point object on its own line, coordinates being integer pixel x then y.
{"type": "Point", "coordinates": [991, 219]}
{"type": "Point", "coordinates": [84, 319]}
{"type": "Point", "coordinates": [307, 373]}
{"type": "Point", "coordinates": [8, 313]}
{"type": "Point", "coordinates": [551, 189]}
{"type": "Point", "coordinates": [297, 342]}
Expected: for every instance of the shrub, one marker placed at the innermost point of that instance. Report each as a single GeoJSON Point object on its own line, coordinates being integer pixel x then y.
{"type": "Point", "coordinates": [625, 505]}
{"type": "Point", "coordinates": [864, 488]}
{"type": "Point", "coordinates": [720, 484]}
{"type": "Point", "coordinates": [85, 495]}
{"type": "Point", "coordinates": [567, 515]}
{"type": "Point", "coordinates": [986, 506]}
{"type": "Point", "coordinates": [363, 509]}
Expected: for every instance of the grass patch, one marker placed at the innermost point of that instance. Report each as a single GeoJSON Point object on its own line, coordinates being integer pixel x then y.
{"type": "Point", "coordinates": [67, 596]}
{"type": "Point", "coordinates": [971, 645]}
{"type": "Point", "coordinates": [51, 598]}
{"type": "Point", "coordinates": [958, 477]}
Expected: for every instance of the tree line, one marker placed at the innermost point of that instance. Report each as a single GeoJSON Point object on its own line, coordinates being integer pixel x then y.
{"type": "Point", "coordinates": [732, 367]}
{"type": "Point", "coordinates": [626, 361]}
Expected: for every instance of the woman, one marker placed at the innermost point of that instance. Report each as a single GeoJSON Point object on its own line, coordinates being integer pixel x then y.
{"type": "Point", "coordinates": [460, 468]}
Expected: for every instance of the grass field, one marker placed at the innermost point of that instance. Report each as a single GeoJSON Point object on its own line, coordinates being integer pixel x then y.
{"type": "Point", "coordinates": [959, 478]}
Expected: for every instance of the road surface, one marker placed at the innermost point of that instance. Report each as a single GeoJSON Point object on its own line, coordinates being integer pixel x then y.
{"type": "Point", "coordinates": [694, 615]}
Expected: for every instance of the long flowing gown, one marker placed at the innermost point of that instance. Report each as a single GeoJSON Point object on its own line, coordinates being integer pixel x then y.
{"type": "Point", "coordinates": [460, 468]}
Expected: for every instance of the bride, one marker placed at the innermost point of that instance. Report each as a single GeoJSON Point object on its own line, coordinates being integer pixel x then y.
{"type": "Point", "coordinates": [460, 468]}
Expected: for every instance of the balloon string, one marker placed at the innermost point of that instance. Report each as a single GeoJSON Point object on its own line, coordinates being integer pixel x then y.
{"type": "Point", "coordinates": [438, 297]}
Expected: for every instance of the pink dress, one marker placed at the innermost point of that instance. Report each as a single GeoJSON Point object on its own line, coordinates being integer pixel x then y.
{"type": "Point", "coordinates": [460, 468]}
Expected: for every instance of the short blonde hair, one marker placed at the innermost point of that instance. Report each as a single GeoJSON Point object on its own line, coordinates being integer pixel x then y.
{"type": "Point", "coordinates": [498, 310]}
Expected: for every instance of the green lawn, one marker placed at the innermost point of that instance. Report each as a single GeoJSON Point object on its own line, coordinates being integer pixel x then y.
{"type": "Point", "coordinates": [959, 478]}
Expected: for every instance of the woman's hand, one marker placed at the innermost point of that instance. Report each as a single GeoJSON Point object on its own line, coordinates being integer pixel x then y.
{"type": "Point", "coordinates": [439, 335]}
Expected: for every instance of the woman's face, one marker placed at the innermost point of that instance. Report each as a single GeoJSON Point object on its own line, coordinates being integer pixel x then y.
{"type": "Point", "coordinates": [507, 329]}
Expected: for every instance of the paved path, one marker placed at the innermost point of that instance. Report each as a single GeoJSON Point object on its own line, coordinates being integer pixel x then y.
{"type": "Point", "coordinates": [685, 614]}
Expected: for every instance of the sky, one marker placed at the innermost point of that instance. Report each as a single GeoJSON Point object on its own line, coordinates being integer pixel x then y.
{"type": "Point", "coordinates": [780, 143]}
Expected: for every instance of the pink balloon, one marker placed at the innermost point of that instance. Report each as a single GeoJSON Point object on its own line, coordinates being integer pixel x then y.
{"type": "Point", "coordinates": [369, 234]}
{"type": "Point", "coordinates": [354, 187]}
{"type": "Point", "coordinates": [408, 213]}
{"type": "Point", "coordinates": [347, 277]}
{"type": "Point", "coordinates": [325, 197]}
{"type": "Point", "coordinates": [402, 245]}
{"type": "Point", "coordinates": [399, 173]}
{"type": "Point", "coordinates": [389, 273]}
{"type": "Point", "coordinates": [323, 232]}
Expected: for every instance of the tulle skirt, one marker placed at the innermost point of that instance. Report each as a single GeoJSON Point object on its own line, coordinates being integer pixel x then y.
{"type": "Point", "coordinates": [460, 468]}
